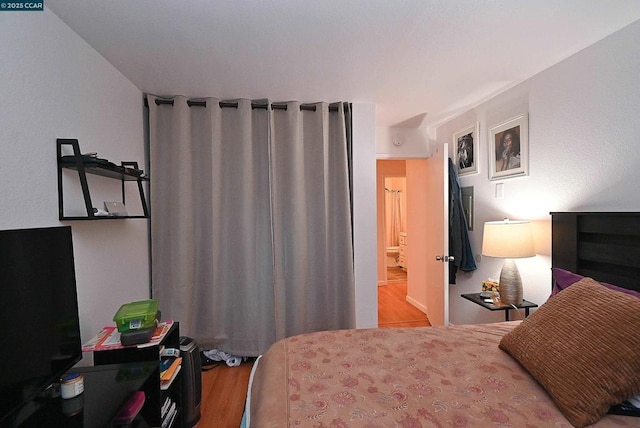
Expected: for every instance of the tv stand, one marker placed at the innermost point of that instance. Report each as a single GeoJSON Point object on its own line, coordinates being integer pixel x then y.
{"type": "Point", "coordinates": [106, 390]}
{"type": "Point", "coordinates": [156, 394]}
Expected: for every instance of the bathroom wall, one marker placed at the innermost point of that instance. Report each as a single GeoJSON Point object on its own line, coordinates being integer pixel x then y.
{"type": "Point", "coordinates": [384, 169]}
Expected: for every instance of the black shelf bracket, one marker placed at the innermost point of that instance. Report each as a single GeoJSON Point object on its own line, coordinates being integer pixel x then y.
{"type": "Point", "coordinates": [127, 171]}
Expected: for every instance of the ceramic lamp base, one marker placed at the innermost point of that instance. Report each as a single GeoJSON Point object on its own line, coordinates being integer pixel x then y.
{"type": "Point", "coordinates": [510, 284]}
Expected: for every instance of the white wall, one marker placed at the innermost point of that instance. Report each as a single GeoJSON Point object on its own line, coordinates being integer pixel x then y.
{"type": "Point", "coordinates": [402, 143]}
{"type": "Point", "coordinates": [54, 85]}
{"type": "Point", "coordinates": [583, 134]}
{"type": "Point", "coordinates": [364, 209]}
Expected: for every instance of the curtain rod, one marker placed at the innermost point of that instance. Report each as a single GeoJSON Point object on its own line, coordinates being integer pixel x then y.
{"type": "Point", "coordinates": [233, 104]}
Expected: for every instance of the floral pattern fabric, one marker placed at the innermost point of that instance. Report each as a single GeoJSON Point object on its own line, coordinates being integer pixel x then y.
{"type": "Point", "coordinates": [407, 377]}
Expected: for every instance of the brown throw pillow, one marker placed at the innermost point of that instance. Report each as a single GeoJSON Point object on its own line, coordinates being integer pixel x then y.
{"type": "Point", "coordinates": [583, 347]}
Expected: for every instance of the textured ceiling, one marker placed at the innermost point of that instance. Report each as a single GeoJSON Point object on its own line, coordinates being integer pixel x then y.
{"type": "Point", "coordinates": [419, 61]}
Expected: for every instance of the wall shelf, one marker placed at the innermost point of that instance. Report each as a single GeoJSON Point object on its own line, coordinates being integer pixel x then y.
{"type": "Point", "coordinates": [125, 172]}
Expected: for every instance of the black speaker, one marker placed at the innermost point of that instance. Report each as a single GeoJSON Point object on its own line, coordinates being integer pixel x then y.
{"type": "Point", "coordinates": [191, 381]}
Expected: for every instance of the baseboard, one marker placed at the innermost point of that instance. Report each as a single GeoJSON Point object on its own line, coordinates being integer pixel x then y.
{"type": "Point", "coordinates": [415, 303]}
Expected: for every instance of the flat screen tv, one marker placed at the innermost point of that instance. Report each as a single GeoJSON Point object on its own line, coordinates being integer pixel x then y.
{"type": "Point", "coordinates": [39, 325]}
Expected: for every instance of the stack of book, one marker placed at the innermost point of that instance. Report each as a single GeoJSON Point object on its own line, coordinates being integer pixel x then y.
{"type": "Point", "coordinates": [169, 368]}
{"type": "Point", "coordinates": [168, 412]}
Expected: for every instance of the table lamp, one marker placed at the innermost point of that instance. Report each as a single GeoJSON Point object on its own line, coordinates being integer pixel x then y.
{"type": "Point", "coordinates": [510, 240]}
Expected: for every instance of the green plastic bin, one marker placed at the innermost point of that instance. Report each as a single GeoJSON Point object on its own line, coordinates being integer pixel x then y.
{"type": "Point", "coordinates": [136, 315]}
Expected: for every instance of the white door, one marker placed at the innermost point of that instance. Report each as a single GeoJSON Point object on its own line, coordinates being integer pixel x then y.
{"type": "Point", "coordinates": [428, 237]}
{"type": "Point", "coordinates": [437, 254]}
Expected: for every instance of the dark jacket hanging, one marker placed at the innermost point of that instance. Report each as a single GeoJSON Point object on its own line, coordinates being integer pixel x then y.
{"type": "Point", "coordinates": [459, 245]}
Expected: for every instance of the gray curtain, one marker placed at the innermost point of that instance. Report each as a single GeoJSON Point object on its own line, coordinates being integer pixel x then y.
{"type": "Point", "coordinates": [250, 220]}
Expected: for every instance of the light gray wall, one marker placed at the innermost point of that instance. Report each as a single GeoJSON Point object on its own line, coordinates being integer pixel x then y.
{"type": "Point", "coordinates": [364, 204]}
{"type": "Point", "coordinates": [54, 85]}
{"type": "Point", "coordinates": [583, 134]}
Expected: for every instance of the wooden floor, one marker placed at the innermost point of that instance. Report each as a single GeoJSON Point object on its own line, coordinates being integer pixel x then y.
{"type": "Point", "coordinates": [224, 389]}
{"type": "Point", "coordinates": [393, 308]}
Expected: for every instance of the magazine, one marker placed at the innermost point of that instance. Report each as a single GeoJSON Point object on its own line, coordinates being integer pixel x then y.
{"type": "Point", "coordinates": [109, 338]}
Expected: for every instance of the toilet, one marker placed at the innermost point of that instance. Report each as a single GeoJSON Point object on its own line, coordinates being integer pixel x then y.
{"type": "Point", "coordinates": [392, 256]}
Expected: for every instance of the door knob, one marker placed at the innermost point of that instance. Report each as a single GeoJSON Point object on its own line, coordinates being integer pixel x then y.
{"type": "Point", "coordinates": [445, 259]}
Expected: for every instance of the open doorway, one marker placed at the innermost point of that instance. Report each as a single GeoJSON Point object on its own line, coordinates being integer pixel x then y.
{"type": "Point", "coordinates": [394, 272]}
{"type": "Point", "coordinates": [391, 184]}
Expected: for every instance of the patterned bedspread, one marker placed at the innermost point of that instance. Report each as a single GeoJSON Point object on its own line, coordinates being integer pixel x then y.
{"type": "Point", "coordinates": [409, 377]}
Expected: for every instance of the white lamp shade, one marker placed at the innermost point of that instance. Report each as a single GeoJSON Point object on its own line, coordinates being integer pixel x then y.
{"type": "Point", "coordinates": [508, 239]}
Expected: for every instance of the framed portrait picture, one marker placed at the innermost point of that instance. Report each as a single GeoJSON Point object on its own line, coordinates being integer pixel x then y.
{"type": "Point", "coordinates": [466, 153]}
{"type": "Point", "coordinates": [509, 148]}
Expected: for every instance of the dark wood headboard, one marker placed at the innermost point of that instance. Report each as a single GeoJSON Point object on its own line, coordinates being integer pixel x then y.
{"type": "Point", "coordinates": [602, 245]}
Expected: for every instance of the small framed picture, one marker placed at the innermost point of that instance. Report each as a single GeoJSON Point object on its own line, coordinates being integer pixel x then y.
{"type": "Point", "coordinates": [509, 148]}
{"type": "Point", "coordinates": [467, 205]}
{"type": "Point", "coordinates": [466, 153]}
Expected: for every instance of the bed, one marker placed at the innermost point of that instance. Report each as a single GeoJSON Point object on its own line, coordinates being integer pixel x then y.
{"type": "Point", "coordinates": [568, 364]}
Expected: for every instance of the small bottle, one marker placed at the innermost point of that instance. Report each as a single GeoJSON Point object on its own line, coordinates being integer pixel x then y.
{"type": "Point", "coordinates": [71, 385]}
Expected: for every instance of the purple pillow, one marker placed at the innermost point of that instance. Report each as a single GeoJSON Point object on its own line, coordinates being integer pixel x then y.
{"type": "Point", "coordinates": [564, 278]}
